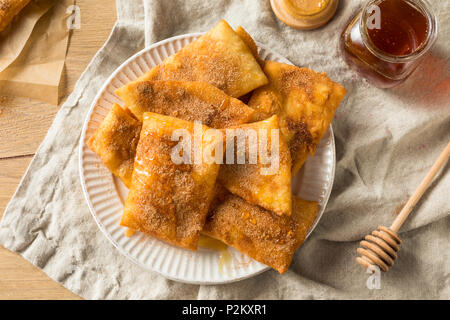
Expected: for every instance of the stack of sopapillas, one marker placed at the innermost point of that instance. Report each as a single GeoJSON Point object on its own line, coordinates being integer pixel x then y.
{"type": "Point", "coordinates": [244, 204]}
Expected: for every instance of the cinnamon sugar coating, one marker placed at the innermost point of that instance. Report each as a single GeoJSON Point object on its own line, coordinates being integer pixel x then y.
{"type": "Point", "coordinates": [115, 142]}
{"type": "Point", "coordinates": [166, 200]}
{"type": "Point", "coordinates": [185, 100]}
{"type": "Point", "coordinates": [305, 102]}
{"type": "Point", "coordinates": [219, 57]}
{"type": "Point", "coordinates": [259, 233]}
{"type": "Point", "coordinates": [271, 191]}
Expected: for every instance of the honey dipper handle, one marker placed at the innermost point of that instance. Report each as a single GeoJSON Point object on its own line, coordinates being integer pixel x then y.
{"type": "Point", "coordinates": [398, 222]}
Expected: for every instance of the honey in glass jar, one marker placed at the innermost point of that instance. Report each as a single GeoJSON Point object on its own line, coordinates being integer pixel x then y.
{"type": "Point", "coordinates": [387, 39]}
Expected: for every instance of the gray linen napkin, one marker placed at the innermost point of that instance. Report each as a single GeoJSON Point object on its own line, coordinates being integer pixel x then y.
{"type": "Point", "coordinates": [385, 142]}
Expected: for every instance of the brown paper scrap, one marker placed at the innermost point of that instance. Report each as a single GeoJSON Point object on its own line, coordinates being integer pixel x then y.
{"type": "Point", "coordinates": [36, 72]}
{"type": "Point", "coordinates": [16, 35]}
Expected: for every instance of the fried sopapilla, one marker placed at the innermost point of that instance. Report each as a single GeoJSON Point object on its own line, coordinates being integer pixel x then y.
{"type": "Point", "coordinates": [248, 40]}
{"type": "Point", "coordinates": [259, 233]}
{"type": "Point", "coordinates": [305, 102]}
{"type": "Point", "coordinates": [191, 101]}
{"type": "Point", "coordinates": [219, 57]}
{"type": "Point", "coordinates": [169, 200]}
{"type": "Point", "coordinates": [263, 174]}
{"type": "Point", "coordinates": [115, 142]}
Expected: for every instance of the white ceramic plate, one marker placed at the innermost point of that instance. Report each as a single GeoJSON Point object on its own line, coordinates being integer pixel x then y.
{"type": "Point", "coordinates": [105, 194]}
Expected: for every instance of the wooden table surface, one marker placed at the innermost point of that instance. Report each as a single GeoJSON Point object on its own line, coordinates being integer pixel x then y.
{"type": "Point", "coordinates": [23, 125]}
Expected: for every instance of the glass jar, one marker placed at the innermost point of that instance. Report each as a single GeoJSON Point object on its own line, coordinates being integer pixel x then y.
{"type": "Point", "coordinates": [386, 51]}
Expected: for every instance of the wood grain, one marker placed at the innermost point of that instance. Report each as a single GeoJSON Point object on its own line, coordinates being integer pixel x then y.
{"type": "Point", "coordinates": [24, 122]}
{"type": "Point", "coordinates": [23, 125]}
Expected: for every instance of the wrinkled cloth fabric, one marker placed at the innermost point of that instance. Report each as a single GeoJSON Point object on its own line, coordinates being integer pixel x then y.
{"type": "Point", "coordinates": [386, 140]}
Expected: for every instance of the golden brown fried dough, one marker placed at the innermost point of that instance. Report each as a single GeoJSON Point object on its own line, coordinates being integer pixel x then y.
{"type": "Point", "coordinates": [259, 233]}
{"type": "Point", "coordinates": [115, 142]}
{"type": "Point", "coordinates": [270, 189]}
{"type": "Point", "coordinates": [219, 57]}
{"type": "Point", "coordinates": [9, 9]}
{"type": "Point", "coordinates": [305, 102]}
{"type": "Point", "coordinates": [248, 40]}
{"type": "Point", "coordinates": [190, 101]}
{"type": "Point", "coordinates": [168, 201]}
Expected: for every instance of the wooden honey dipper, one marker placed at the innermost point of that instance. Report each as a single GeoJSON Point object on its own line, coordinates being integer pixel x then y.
{"type": "Point", "coordinates": [381, 247]}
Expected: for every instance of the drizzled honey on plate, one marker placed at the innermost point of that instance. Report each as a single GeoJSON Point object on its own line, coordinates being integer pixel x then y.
{"type": "Point", "coordinates": [218, 246]}
{"type": "Point", "coordinates": [386, 40]}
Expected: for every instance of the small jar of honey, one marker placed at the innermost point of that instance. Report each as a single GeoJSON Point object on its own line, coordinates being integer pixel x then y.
{"type": "Point", "coordinates": [387, 39]}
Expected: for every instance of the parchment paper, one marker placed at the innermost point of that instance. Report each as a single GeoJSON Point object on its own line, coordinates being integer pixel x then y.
{"type": "Point", "coordinates": [35, 50]}
{"type": "Point", "coordinates": [15, 36]}
{"type": "Point", "coordinates": [386, 140]}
